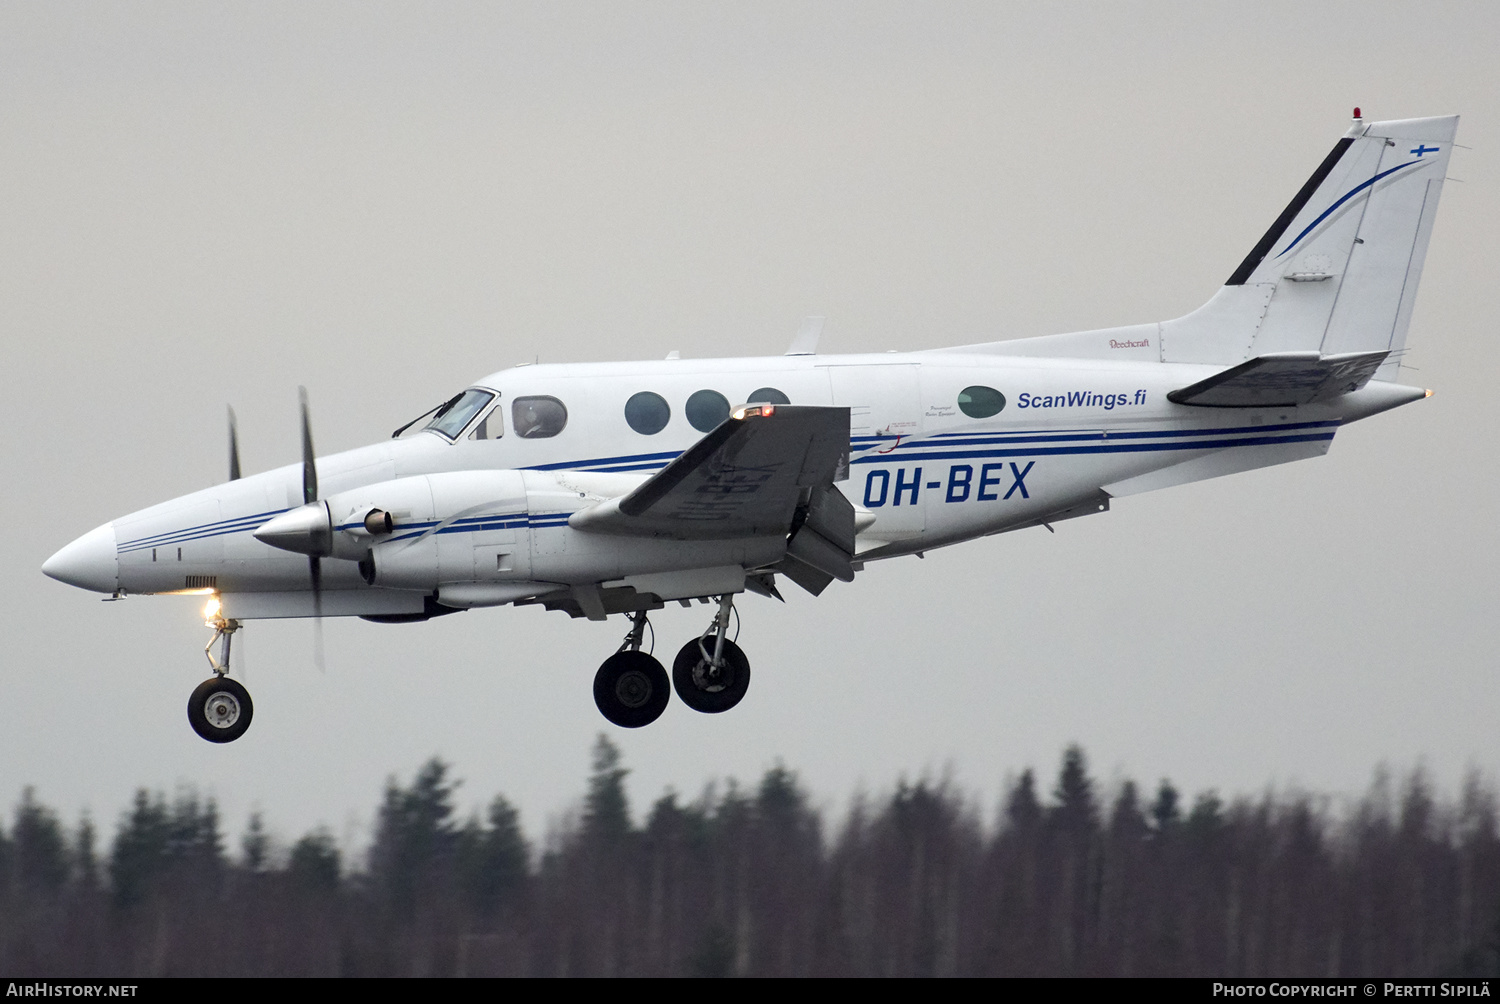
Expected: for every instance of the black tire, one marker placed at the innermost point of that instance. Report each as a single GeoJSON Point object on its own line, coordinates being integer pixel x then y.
{"type": "Point", "coordinates": [704, 690]}
{"type": "Point", "coordinates": [220, 709]}
{"type": "Point", "coordinates": [631, 689]}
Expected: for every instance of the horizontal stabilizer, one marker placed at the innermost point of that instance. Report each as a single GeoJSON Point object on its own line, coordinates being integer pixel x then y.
{"type": "Point", "coordinates": [1282, 379]}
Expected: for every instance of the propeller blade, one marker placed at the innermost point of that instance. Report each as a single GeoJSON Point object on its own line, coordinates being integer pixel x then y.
{"type": "Point", "coordinates": [234, 447]}
{"type": "Point", "coordinates": [309, 462]}
{"type": "Point", "coordinates": [310, 494]}
{"type": "Point", "coordinates": [315, 572]}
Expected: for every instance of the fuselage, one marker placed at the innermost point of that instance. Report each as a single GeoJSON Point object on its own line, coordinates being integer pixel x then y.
{"type": "Point", "coordinates": [944, 447]}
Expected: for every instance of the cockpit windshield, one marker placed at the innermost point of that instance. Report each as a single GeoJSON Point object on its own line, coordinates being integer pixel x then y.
{"type": "Point", "coordinates": [451, 420]}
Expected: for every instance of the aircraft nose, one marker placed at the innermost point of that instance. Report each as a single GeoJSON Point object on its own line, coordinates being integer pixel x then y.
{"type": "Point", "coordinates": [90, 562]}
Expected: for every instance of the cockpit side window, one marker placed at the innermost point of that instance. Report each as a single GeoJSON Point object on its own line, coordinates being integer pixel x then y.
{"type": "Point", "coordinates": [491, 426]}
{"type": "Point", "coordinates": [451, 421]}
{"type": "Point", "coordinates": [538, 416]}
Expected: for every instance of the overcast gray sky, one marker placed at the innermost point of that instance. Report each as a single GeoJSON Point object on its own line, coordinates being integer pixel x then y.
{"type": "Point", "coordinates": [211, 204]}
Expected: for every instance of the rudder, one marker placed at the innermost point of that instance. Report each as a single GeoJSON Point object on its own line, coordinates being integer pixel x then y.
{"type": "Point", "coordinates": [1337, 272]}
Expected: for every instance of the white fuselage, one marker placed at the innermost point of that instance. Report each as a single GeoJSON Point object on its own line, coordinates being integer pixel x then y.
{"type": "Point", "coordinates": [923, 473]}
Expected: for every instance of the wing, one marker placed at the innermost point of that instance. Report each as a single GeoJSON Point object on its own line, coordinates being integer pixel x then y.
{"type": "Point", "coordinates": [1282, 379]}
{"type": "Point", "coordinates": [746, 478]}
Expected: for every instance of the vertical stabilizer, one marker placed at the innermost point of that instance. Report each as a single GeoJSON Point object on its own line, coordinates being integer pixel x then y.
{"type": "Point", "coordinates": [1337, 272]}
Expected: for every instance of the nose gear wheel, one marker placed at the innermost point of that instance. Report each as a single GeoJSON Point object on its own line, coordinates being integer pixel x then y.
{"type": "Point", "coordinates": [220, 709]}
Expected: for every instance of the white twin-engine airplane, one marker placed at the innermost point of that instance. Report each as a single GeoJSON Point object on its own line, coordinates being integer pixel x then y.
{"type": "Point", "coordinates": [615, 488]}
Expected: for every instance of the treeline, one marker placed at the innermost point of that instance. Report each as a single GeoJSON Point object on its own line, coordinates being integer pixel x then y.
{"type": "Point", "coordinates": [750, 881]}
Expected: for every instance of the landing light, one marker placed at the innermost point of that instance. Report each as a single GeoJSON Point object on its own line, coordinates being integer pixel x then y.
{"type": "Point", "coordinates": [750, 411]}
{"type": "Point", "coordinates": [211, 610]}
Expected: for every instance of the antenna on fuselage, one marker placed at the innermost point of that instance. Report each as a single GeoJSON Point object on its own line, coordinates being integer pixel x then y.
{"type": "Point", "coordinates": [806, 342]}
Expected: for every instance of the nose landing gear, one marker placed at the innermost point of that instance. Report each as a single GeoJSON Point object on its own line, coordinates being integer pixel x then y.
{"type": "Point", "coordinates": [631, 688]}
{"type": "Point", "coordinates": [220, 708]}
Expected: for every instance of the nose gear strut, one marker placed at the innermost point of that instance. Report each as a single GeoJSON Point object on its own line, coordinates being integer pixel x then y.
{"type": "Point", "coordinates": [224, 628]}
{"type": "Point", "coordinates": [220, 709]}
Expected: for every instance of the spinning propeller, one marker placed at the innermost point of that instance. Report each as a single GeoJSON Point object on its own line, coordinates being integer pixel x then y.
{"type": "Point", "coordinates": [307, 529]}
{"type": "Point", "coordinates": [314, 558]}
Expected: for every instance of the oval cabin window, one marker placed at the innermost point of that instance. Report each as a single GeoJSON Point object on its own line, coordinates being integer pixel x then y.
{"type": "Point", "coordinates": [647, 413]}
{"type": "Point", "coordinates": [980, 402]}
{"type": "Point", "coordinates": [706, 409]}
{"type": "Point", "coordinates": [767, 395]}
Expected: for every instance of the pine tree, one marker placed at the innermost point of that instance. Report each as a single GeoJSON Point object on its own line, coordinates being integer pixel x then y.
{"type": "Point", "coordinates": [157, 846]}
{"type": "Point", "coordinates": [606, 808]}
{"type": "Point", "coordinates": [493, 859]}
{"type": "Point", "coordinates": [314, 863]}
{"type": "Point", "coordinates": [1022, 810]}
{"type": "Point", "coordinates": [86, 855]}
{"type": "Point", "coordinates": [255, 844]}
{"type": "Point", "coordinates": [1075, 811]}
{"type": "Point", "coordinates": [139, 852]}
{"type": "Point", "coordinates": [39, 848]}
{"type": "Point", "coordinates": [415, 837]}
{"type": "Point", "coordinates": [1165, 813]}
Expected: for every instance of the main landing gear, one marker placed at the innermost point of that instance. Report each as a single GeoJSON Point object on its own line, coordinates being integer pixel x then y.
{"type": "Point", "coordinates": [220, 708]}
{"type": "Point", "coordinates": [710, 674]}
{"type": "Point", "coordinates": [631, 687]}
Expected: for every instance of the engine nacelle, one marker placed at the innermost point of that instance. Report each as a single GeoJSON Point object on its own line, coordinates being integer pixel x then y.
{"type": "Point", "coordinates": [489, 537]}
{"type": "Point", "coordinates": [436, 522]}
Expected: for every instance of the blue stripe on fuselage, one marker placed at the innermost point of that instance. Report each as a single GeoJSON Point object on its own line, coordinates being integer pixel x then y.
{"type": "Point", "coordinates": [940, 446]}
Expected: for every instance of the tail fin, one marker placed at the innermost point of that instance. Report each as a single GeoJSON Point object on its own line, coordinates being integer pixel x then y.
{"type": "Point", "coordinates": [1338, 270]}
